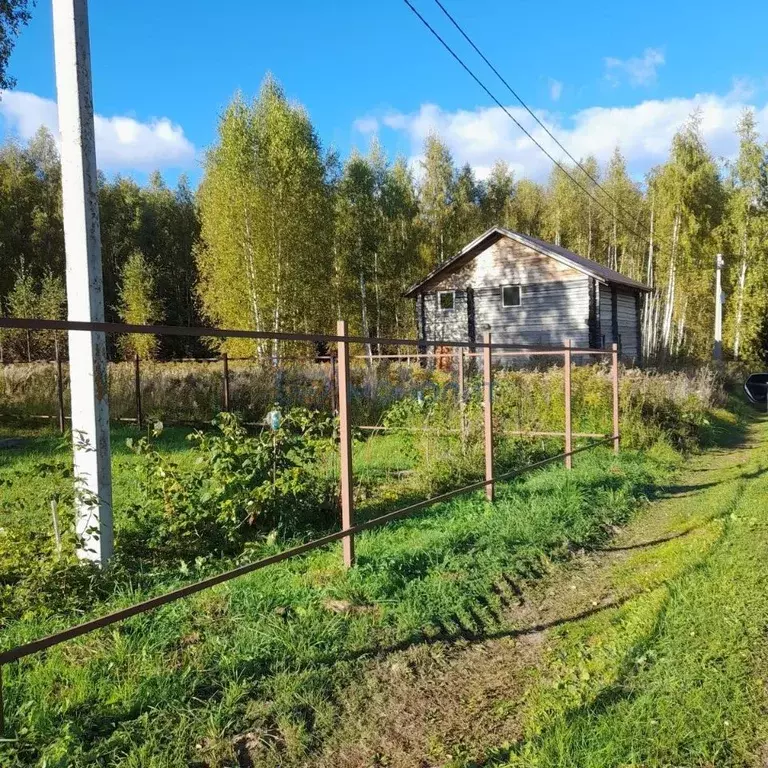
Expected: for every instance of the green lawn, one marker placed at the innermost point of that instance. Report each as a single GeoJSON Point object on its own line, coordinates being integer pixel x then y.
{"type": "Point", "coordinates": [271, 653]}
{"type": "Point", "coordinates": [672, 673]}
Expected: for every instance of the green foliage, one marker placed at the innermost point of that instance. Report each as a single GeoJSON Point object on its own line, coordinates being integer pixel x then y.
{"type": "Point", "coordinates": [446, 441]}
{"type": "Point", "coordinates": [265, 212]}
{"type": "Point", "coordinates": [498, 202]}
{"type": "Point", "coordinates": [277, 215]}
{"type": "Point", "coordinates": [162, 223]}
{"type": "Point", "coordinates": [269, 645]}
{"type": "Point", "coordinates": [235, 486]}
{"type": "Point", "coordinates": [436, 197]}
{"type": "Point", "coordinates": [139, 306]}
{"type": "Point", "coordinates": [14, 14]}
{"type": "Point", "coordinates": [35, 579]}
{"type": "Point", "coordinates": [271, 650]}
{"type": "Point", "coordinates": [683, 643]}
{"type": "Point", "coordinates": [23, 302]}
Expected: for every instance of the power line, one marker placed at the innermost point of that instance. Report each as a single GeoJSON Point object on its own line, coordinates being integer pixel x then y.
{"type": "Point", "coordinates": [466, 68]}
{"type": "Point", "coordinates": [529, 110]}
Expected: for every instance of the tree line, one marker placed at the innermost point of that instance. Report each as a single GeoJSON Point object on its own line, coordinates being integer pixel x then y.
{"type": "Point", "coordinates": [282, 235]}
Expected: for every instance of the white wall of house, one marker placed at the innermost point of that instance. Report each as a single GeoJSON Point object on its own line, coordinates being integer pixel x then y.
{"type": "Point", "coordinates": [554, 306]}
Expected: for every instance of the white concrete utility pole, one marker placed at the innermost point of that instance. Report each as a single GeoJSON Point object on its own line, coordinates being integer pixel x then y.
{"type": "Point", "coordinates": [85, 290]}
{"type": "Point", "coordinates": [718, 347]}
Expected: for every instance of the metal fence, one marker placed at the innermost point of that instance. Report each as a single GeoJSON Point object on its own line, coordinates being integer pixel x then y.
{"type": "Point", "coordinates": [488, 349]}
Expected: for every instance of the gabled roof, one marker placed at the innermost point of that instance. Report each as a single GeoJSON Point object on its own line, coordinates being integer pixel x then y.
{"type": "Point", "coordinates": [563, 255]}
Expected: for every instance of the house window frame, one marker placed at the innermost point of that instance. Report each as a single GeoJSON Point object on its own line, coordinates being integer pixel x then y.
{"type": "Point", "coordinates": [519, 287]}
{"type": "Point", "coordinates": [441, 308]}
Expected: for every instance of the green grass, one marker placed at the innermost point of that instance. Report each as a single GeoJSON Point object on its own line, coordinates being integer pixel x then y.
{"type": "Point", "coordinates": [272, 654]}
{"type": "Point", "coordinates": [41, 469]}
{"type": "Point", "coordinates": [673, 674]}
{"type": "Point", "coordinates": [267, 654]}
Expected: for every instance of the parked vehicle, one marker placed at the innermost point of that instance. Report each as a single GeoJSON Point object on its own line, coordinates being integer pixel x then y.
{"type": "Point", "coordinates": [756, 387]}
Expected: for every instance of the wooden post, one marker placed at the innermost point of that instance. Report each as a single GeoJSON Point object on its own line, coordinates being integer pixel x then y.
{"type": "Point", "coordinates": [488, 414]}
{"type": "Point", "coordinates": [225, 361]}
{"type": "Point", "coordinates": [345, 447]}
{"type": "Point", "coordinates": [568, 425]}
{"type": "Point", "coordinates": [60, 390]}
{"type": "Point", "coordinates": [137, 389]}
{"type": "Point", "coordinates": [56, 528]}
{"type": "Point", "coordinates": [2, 713]}
{"type": "Point", "coordinates": [615, 381]}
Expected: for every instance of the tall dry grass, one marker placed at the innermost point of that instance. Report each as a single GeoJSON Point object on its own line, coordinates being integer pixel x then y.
{"type": "Point", "coordinates": [193, 391]}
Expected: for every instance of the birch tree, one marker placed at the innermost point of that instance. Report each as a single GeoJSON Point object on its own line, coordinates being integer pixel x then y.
{"type": "Point", "coordinates": [358, 239]}
{"type": "Point", "coordinates": [497, 205]}
{"type": "Point", "coordinates": [745, 242]}
{"type": "Point", "coordinates": [139, 305]}
{"type": "Point", "coordinates": [529, 207]}
{"type": "Point", "coordinates": [266, 222]}
{"type": "Point", "coordinates": [689, 198]}
{"type": "Point", "coordinates": [436, 201]}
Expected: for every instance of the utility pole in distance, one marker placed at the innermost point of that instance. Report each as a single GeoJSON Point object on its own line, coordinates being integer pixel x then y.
{"type": "Point", "coordinates": [718, 346]}
{"type": "Point", "coordinates": [85, 291]}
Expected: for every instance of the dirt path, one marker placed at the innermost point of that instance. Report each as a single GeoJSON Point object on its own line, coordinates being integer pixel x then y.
{"type": "Point", "coordinates": [468, 700]}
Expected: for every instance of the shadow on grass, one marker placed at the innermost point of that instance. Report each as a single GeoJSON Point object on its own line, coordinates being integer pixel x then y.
{"type": "Point", "coordinates": [616, 691]}
{"type": "Point", "coordinates": [474, 624]}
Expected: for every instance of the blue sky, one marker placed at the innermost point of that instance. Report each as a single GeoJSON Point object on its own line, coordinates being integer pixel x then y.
{"type": "Point", "coordinates": [598, 73]}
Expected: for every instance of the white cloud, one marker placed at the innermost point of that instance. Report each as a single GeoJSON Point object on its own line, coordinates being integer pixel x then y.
{"type": "Point", "coordinates": [366, 125]}
{"type": "Point", "coordinates": [555, 89]}
{"type": "Point", "coordinates": [643, 132]}
{"type": "Point", "coordinates": [122, 143]}
{"type": "Point", "coordinates": [743, 88]}
{"type": "Point", "coordinates": [640, 70]}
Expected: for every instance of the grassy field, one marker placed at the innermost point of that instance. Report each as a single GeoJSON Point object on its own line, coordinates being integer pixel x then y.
{"type": "Point", "coordinates": [259, 671]}
{"type": "Point", "coordinates": [672, 672]}
{"type": "Point", "coordinates": [270, 652]}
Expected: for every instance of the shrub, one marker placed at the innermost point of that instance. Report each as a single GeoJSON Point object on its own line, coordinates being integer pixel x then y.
{"type": "Point", "coordinates": [668, 408]}
{"type": "Point", "coordinates": [236, 486]}
{"type": "Point", "coordinates": [37, 579]}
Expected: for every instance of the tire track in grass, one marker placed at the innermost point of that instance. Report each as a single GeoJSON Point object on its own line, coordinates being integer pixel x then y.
{"type": "Point", "coordinates": [468, 701]}
{"type": "Point", "coordinates": [669, 678]}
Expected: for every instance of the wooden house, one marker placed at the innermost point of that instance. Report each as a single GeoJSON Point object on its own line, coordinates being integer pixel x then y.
{"type": "Point", "coordinates": [528, 292]}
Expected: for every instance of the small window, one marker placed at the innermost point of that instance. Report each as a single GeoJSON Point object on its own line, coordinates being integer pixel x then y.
{"type": "Point", "coordinates": [445, 300]}
{"type": "Point", "coordinates": [510, 296]}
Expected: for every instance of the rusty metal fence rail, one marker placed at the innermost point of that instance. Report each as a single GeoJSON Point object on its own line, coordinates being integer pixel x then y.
{"type": "Point", "coordinates": [349, 526]}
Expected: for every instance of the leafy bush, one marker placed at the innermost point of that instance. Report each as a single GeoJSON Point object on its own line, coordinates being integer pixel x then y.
{"type": "Point", "coordinates": [236, 485]}
{"type": "Point", "coordinates": [447, 442]}
{"type": "Point", "coordinates": [35, 578]}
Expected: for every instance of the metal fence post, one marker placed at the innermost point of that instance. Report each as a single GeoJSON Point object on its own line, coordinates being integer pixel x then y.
{"type": "Point", "coordinates": [59, 389]}
{"type": "Point", "coordinates": [488, 414]}
{"type": "Point", "coordinates": [225, 361]}
{"type": "Point", "coordinates": [137, 388]}
{"type": "Point", "coordinates": [615, 382]}
{"type": "Point", "coordinates": [568, 425]}
{"type": "Point", "coordinates": [345, 447]}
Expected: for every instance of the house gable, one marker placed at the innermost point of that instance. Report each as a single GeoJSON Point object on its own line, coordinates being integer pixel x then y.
{"type": "Point", "coordinates": [504, 262]}
{"type": "Point", "coordinates": [563, 256]}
